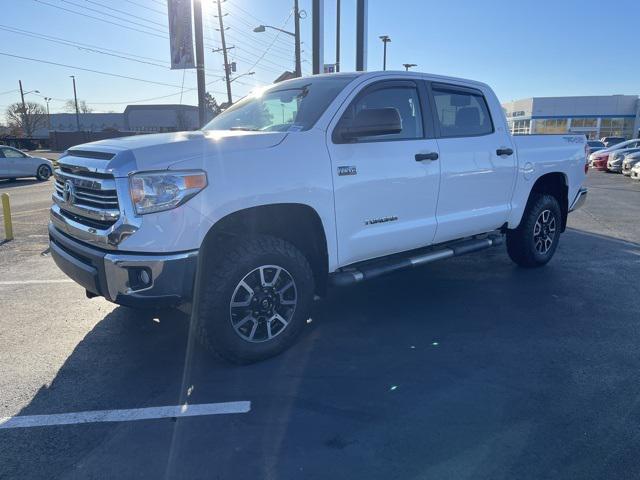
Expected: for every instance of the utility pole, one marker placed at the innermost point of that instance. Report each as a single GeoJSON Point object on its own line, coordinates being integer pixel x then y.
{"type": "Point", "coordinates": [75, 98]}
{"type": "Point", "coordinates": [24, 108]}
{"type": "Point", "coordinates": [227, 69]}
{"type": "Point", "coordinates": [47, 100]}
{"type": "Point", "coordinates": [197, 20]}
{"type": "Point", "coordinates": [407, 66]}
{"type": "Point", "coordinates": [296, 14]}
{"type": "Point", "coordinates": [385, 39]}
{"type": "Point", "coordinates": [337, 35]}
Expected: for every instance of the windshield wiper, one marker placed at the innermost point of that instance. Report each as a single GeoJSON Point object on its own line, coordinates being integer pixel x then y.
{"type": "Point", "coordinates": [247, 129]}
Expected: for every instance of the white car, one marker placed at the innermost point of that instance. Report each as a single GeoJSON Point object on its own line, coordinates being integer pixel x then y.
{"type": "Point", "coordinates": [326, 180]}
{"type": "Point", "coordinates": [17, 164]}
{"type": "Point", "coordinates": [635, 172]}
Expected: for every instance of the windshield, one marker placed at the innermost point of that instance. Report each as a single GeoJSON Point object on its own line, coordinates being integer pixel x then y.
{"type": "Point", "coordinates": [289, 106]}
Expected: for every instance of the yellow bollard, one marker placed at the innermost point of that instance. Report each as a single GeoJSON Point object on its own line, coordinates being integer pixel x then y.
{"type": "Point", "coordinates": [6, 211]}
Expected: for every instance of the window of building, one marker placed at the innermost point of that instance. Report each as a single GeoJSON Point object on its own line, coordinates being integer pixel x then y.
{"type": "Point", "coordinates": [551, 125]}
{"type": "Point", "coordinates": [461, 113]}
{"type": "Point", "coordinates": [520, 127]}
{"type": "Point", "coordinates": [616, 127]}
{"type": "Point", "coordinates": [584, 122]}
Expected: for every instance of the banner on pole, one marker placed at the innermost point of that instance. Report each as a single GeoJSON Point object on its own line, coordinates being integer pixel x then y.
{"type": "Point", "coordinates": [180, 34]}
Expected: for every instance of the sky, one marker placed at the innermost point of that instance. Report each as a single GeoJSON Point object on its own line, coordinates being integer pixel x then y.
{"type": "Point", "coordinates": [520, 48]}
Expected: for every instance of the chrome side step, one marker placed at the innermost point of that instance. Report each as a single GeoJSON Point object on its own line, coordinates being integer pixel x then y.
{"type": "Point", "coordinates": [371, 270]}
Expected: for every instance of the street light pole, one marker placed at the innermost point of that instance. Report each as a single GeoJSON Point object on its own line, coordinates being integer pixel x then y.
{"type": "Point", "coordinates": [295, 35]}
{"type": "Point", "coordinates": [296, 13]}
{"type": "Point", "coordinates": [337, 35]}
{"type": "Point", "coordinates": [385, 39]}
{"type": "Point", "coordinates": [407, 66]}
{"type": "Point", "coordinates": [25, 118]}
{"type": "Point", "coordinates": [75, 98]}
{"type": "Point", "coordinates": [197, 20]}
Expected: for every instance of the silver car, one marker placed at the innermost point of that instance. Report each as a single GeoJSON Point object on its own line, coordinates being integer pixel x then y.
{"type": "Point", "coordinates": [614, 164]}
{"type": "Point", "coordinates": [630, 159]}
{"type": "Point", "coordinates": [17, 164]}
{"type": "Point", "coordinates": [635, 171]}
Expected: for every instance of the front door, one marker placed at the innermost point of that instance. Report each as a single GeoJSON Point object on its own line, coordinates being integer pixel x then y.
{"type": "Point", "coordinates": [15, 164]}
{"type": "Point", "coordinates": [386, 187]}
{"type": "Point", "coordinates": [4, 164]}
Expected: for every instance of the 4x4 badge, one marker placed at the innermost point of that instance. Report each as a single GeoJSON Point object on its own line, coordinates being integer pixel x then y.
{"type": "Point", "coordinates": [347, 170]}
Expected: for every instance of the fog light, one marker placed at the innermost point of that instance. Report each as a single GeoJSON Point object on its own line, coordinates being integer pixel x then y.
{"type": "Point", "coordinates": [145, 278]}
{"type": "Point", "coordinates": [139, 278]}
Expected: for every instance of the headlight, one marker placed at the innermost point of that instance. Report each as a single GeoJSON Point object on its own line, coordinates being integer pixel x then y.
{"type": "Point", "coordinates": [158, 191]}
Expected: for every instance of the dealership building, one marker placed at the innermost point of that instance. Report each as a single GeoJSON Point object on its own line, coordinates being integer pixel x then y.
{"type": "Point", "coordinates": [594, 116]}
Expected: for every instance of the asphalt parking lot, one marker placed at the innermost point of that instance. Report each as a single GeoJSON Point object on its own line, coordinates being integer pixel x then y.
{"type": "Point", "coordinates": [466, 369]}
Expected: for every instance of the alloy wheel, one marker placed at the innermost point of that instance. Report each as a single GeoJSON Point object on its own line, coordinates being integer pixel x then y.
{"type": "Point", "coordinates": [263, 303]}
{"type": "Point", "coordinates": [544, 232]}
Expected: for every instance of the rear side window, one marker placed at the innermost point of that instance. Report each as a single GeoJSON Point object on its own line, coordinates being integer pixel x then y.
{"type": "Point", "coordinates": [461, 113]}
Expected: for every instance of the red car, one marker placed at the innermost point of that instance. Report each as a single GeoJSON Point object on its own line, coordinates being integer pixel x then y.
{"type": "Point", "coordinates": [599, 160]}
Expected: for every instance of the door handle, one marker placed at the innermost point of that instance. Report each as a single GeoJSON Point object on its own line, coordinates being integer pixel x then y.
{"type": "Point", "coordinates": [426, 156]}
{"type": "Point", "coordinates": [504, 151]}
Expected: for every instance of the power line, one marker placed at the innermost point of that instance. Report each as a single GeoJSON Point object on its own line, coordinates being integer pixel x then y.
{"type": "Point", "coordinates": [101, 19]}
{"type": "Point", "coordinates": [117, 75]}
{"type": "Point", "coordinates": [85, 47]}
{"type": "Point", "coordinates": [126, 13]}
{"type": "Point", "coordinates": [115, 16]}
{"type": "Point", "coordinates": [89, 48]}
{"type": "Point", "coordinates": [146, 7]}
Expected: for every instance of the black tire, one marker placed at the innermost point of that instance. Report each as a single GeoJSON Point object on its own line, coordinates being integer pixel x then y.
{"type": "Point", "coordinates": [523, 245]}
{"type": "Point", "coordinates": [43, 173]}
{"type": "Point", "coordinates": [221, 284]}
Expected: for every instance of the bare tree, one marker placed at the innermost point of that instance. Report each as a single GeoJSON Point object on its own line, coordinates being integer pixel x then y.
{"type": "Point", "coordinates": [70, 106]}
{"type": "Point", "coordinates": [27, 121]}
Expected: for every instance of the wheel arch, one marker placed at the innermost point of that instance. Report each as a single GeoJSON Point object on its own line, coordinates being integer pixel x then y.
{"type": "Point", "coordinates": [296, 223]}
{"type": "Point", "coordinates": [557, 185]}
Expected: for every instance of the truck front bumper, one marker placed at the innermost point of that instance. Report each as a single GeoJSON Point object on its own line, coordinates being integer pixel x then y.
{"type": "Point", "coordinates": [131, 279]}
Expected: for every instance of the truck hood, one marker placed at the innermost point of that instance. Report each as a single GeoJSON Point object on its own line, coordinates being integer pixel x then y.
{"type": "Point", "coordinates": [121, 156]}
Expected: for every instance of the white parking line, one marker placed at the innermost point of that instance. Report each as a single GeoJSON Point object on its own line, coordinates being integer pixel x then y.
{"type": "Point", "coordinates": [125, 415]}
{"type": "Point", "coordinates": [35, 282]}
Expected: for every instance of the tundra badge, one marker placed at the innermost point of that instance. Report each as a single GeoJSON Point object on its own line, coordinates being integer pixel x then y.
{"type": "Point", "coordinates": [347, 170]}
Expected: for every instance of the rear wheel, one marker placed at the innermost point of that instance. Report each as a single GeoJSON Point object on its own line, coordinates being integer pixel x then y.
{"type": "Point", "coordinates": [43, 173]}
{"type": "Point", "coordinates": [255, 300]}
{"type": "Point", "coordinates": [535, 240]}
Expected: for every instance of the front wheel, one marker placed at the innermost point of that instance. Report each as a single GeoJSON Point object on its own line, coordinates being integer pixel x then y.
{"type": "Point", "coordinates": [43, 173]}
{"type": "Point", "coordinates": [255, 300]}
{"type": "Point", "coordinates": [535, 240]}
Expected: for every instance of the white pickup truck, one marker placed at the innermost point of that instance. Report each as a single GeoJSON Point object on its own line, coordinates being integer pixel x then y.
{"type": "Point", "coordinates": [326, 180]}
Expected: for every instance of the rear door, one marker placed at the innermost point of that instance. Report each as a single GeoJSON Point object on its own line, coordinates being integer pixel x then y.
{"type": "Point", "coordinates": [477, 160]}
{"type": "Point", "coordinates": [385, 187]}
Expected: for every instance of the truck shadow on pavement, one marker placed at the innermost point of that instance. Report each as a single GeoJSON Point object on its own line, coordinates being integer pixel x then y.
{"type": "Point", "coordinates": [20, 182]}
{"type": "Point", "coordinates": [471, 368]}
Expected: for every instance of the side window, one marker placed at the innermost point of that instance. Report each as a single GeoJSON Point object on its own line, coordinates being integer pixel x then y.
{"type": "Point", "coordinates": [11, 153]}
{"type": "Point", "coordinates": [461, 113]}
{"type": "Point", "coordinates": [404, 99]}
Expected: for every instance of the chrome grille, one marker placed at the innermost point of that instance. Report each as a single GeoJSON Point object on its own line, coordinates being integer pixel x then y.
{"type": "Point", "coordinates": [89, 200]}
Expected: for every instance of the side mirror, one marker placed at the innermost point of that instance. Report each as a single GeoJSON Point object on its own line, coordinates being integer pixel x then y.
{"type": "Point", "coordinates": [372, 122]}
